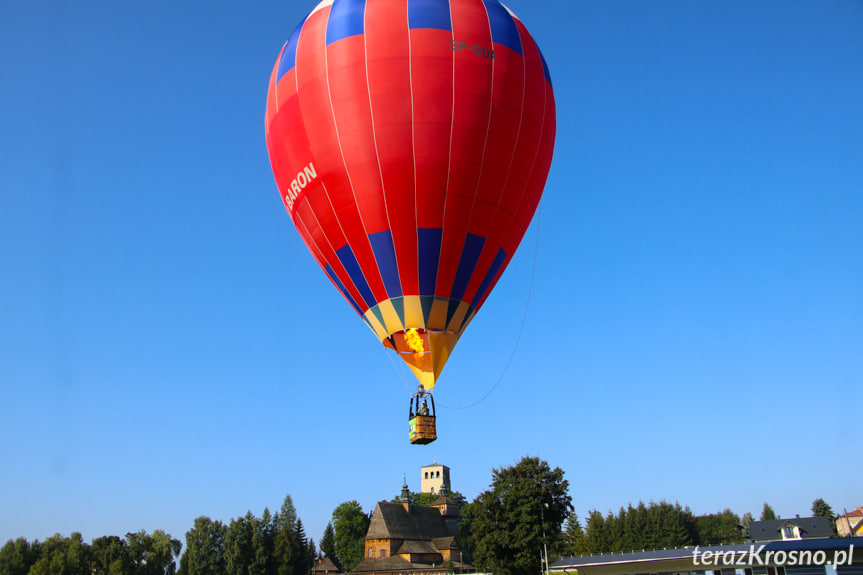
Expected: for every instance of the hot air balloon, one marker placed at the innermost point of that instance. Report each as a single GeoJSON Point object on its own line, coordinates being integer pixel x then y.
{"type": "Point", "coordinates": [410, 141]}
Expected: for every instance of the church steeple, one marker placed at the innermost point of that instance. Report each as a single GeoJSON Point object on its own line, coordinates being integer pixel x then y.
{"type": "Point", "coordinates": [406, 496]}
{"type": "Point", "coordinates": [406, 493]}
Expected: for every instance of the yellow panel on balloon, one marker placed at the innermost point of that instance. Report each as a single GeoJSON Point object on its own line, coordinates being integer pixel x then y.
{"type": "Point", "coordinates": [414, 312]}
{"type": "Point", "coordinates": [391, 317]}
{"type": "Point", "coordinates": [458, 317]}
{"type": "Point", "coordinates": [376, 326]}
{"type": "Point", "coordinates": [437, 317]}
{"type": "Point", "coordinates": [441, 345]}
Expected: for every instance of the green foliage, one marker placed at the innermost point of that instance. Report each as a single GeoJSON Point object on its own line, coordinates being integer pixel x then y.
{"type": "Point", "coordinates": [350, 524]}
{"type": "Point", "coordinates": [240, 552]}
{"type": "Point", "coordinates": [139, 554]}
{"type": "Point", "coordinates": [574, 538]}
{"type": "Point", "coordinates": [654, 526]}
{"type": "Point", "coordinates": [597, 535]}
{"type": "Point", "coordinates": [767, 513]}
{"type": "Point", "coordinates": [205, 548]}
{"type": "Point", "coordinates": [426, 499]}
{"type": "Point", "coordinates": [110, 555]}
{"type": "Point", "coordinates": [269, 545]}
{"type": "Point", "coordinates": [17, 557]}
{"type": "Point", "coordinates": [820, 508]}
{"type": "Point", "coordinates": [153, 554]}
{"type": "Point", "coordinates": [718, 528]}
{"type": "Point", "coordinates": [328, 544]}
{"type": "Point", "coordinates": [524, 510]}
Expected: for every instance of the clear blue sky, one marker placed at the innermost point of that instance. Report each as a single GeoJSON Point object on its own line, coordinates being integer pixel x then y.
{"type": "Point", "coordinates": [694, 332]}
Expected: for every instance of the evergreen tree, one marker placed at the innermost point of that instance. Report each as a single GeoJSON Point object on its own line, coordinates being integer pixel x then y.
{"type": "Point", "coordinates": [311, 554]}
{"type": "Point", "coordinates": [263, 543]}
{"type": "Point", "coordinates": [596, 533]}
{"type": "Point", "coordinates": [328, 544]}
{"type": "Point", "coordinates": [288, 551]}
{"type": "Point", "coordinates": [820, 508]}
{"type": "Point", "coordinates": [718, 528]}
{"type": "Point", "coordinates": [575, 540]}
{"type": "Point", "coordinates": [767, 513]}
{"type": "Point", "coordinates": [240, 552]}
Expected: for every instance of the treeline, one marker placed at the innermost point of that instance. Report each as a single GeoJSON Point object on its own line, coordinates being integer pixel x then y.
{"type": "Point", "coordinates": [138, 554]}
{"type": "Point", "coordinates": [652, 526]}
{"type": "Point", "coordinates": [273, 544]}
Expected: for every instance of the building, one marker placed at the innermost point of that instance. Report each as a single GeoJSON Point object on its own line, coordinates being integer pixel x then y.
{"type": "Point", "coordinates": [812, 556]}
{"type": "Point", "coordinates": [850, 524]}
{"type": "Point", "coordinates": [406, 538]}
{"type": "Point", "coordinates": [324, 566]}
{"type": "Point", "coordinates": [789, 529]}
{"type": "Point", "coordinates": [434, 478]}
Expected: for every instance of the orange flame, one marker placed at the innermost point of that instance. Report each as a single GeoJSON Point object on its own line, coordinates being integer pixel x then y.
{"type": "Point", "coordinates": [415, 342]}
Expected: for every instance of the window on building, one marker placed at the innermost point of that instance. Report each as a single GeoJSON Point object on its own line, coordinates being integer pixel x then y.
{"type": "Point", "coordinates": [383, 552]}
{"type": "Point", "coordinates": [427, 474]}
{"type": "Point", "coordinates": [438, 473]}
{"type": "Point", "coordinates": [371, 552]}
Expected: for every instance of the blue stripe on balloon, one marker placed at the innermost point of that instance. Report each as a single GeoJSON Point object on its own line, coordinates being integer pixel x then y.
{"type": "Point", "coordinates": [385, 254]}
{"type": "Point", "coordinates": [342, 289]}
{"type": "Point", "coordinates": [469, 256]}
{"type": "Point", "coordinates": [347, 18]}
{"type": "Point", "coordinates": [289, 55]}
{"type": "Point", "coordinates": [489, 276]}
{"type": "Point", "coordinates": [429, 14]}
{"type": "Point", "coordinates": [545, 67]}
{"type": "Point", "coordinates": [428, 247]}
{"type": "Point", "coordinates": [349, 261]}
{"type": "Point", "coordinates": [503, 28]}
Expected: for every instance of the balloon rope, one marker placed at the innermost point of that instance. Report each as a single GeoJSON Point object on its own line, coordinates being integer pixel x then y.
{"type": "Point", "coordinates": [523, 320]}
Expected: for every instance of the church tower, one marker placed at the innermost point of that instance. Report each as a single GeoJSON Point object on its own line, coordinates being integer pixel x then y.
{"type": "Point", "coordinates": [435, 477]}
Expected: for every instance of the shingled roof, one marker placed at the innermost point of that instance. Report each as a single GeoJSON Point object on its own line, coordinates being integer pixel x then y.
{"type": "Point", "coordinates": [392, 521]}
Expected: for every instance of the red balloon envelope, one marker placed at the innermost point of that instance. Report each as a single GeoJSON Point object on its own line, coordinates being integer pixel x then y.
{"type": "Point", "coordinates": [410, 141]}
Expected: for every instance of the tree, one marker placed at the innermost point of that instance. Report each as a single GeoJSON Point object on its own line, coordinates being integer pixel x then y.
{"type": "Point", "coordinates": [328, 544]}
{"type": "Point", "coordinates": [205, 548]}
{"type": "Point", "coordinates": [153, 554]}
{"type": "Point", "coordinates": [820, 508]}
{"type": "Point", "coordinates": [767, 513]}
{"type": "Point", "coordinates": [596, 534]}
{"type": "Point", "coordinates": [350, 524]}
{"type": "Point", "coordinates": [264, 543]}
{"type": "Point", "coordinates": [63, 556]}
{"type": "Point", "coordinates": [240, 550]}
{"type": "Point", "coordinates": [519, 517]}
{"type": "Point", "coordinates": [17, 557]}
{"type": "Point", "coordinates": [426, 499]}
{"type": "Point", "coordinates": [110, 555]}
{"type": "Point", "coordinates": [717, 528]}
{"type": "Point", "coordinates": [574, 538]}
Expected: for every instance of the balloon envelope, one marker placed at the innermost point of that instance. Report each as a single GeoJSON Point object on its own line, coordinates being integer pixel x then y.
{"type": "Point", "coordinates": [410, 141]}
